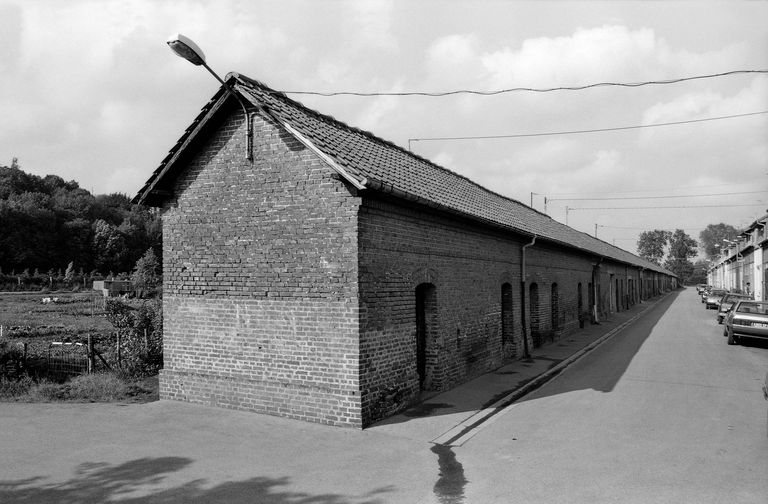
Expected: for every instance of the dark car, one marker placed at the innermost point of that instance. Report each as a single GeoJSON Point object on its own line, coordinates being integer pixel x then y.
{"type": "Point", "coordinates": [747, 319]}
{"type": "Point", "coordinates": [727, 302]}
{"type": "Point", "coordinates": [713, 298]}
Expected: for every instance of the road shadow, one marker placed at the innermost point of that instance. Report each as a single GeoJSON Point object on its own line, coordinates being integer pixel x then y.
{"type": "Point", "coordinates": [615, 359]}
{"type": "Point", "coordinates": [506, 382]}
{"type": "Point", "coordinates": [141, 481]}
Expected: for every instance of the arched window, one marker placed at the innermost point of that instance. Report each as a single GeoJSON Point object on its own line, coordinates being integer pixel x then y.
{"type": "Point", "coordinates": [506, 313]}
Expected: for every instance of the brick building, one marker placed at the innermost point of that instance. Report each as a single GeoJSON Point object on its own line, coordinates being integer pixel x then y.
{"type": "Point", "coordinates": [334, 277]}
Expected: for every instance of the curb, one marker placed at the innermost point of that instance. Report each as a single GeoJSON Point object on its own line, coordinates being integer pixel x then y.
{"type": "Point", "coordinates": [465, 430]}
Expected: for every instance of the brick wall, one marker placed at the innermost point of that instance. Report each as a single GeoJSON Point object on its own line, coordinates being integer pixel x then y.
{"type": "Point", "coordinates": [402, 247]}
{"type": "Point", "coordinates": [288, 293]}
{"type": "Point", "coordinates": [260, 280]}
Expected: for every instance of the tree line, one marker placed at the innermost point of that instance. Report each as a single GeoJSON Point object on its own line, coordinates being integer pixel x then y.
{"type": "Point", "coordinates": [674, 250]}
{"type": "Point", "coordinates": [52, 231]}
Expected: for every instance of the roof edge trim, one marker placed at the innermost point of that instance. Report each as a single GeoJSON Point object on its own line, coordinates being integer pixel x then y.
{"type": "Point", "coordinates": [358, 184]}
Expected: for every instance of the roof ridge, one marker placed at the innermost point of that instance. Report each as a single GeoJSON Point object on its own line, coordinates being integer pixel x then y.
{"type": "Point", "coordinates": [593, 244]}
{"type": "Point", "coordinates": [250, 81]}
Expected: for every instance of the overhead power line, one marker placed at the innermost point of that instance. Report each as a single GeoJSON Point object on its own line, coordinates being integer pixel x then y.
{"type": "Point", "coordinates": [747, 182]}
{"type": "Point", "coordinates": [665, 207]}
{"type": "Point", "coordinates": [656, 197]}
{"type": "Point", "coordinates": [526, 89]}
{"type": "Point", "coordinates": [573, 132]}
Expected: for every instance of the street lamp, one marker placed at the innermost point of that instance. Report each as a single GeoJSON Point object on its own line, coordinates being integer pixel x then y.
{"type": "Point", "coordinates": [185, 48]}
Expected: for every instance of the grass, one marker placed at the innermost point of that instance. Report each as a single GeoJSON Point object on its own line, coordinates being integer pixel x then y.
{"type": "Point", "coordinates": [97, 387]}
{"type": "Point", "coordinates": [24, 316]}
{"type": "Point", "coordinates": [76, 315]}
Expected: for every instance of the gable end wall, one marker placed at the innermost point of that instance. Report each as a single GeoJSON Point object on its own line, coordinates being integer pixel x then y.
{"type": "Point", "coordinates": [260, 280]}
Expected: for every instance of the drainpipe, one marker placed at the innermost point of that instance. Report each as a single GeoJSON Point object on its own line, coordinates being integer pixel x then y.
{"type": "Point", "coordinates": [595, 282]}
{"type": "Point", "coordinates": [526, 350]}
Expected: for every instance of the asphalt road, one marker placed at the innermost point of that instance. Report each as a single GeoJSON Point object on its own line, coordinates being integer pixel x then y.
{"type": "Point", "coordinates": [665, 411]}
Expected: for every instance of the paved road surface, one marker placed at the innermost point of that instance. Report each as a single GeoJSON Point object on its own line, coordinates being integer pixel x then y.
{"type": "Point", "coordinates": [666, 412]}
{"type": "Point", "coordinates": [663, 412]}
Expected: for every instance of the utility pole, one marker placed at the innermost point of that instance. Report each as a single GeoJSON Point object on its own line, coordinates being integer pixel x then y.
{"type": "Point", "coordinates": [595, 230]}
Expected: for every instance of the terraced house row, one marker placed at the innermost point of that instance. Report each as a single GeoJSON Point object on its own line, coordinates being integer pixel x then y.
{"type": "Point", "coordinates": [742, 264]}
{"type": "Point", "coordinates": [315, 271]}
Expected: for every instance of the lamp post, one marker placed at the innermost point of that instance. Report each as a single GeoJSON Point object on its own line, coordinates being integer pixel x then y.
{"type": "Point", "coordinates": [185, 48]}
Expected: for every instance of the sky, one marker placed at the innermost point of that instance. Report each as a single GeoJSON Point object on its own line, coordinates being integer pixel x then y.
{"type": "Point", "coordinates": [90, 92]}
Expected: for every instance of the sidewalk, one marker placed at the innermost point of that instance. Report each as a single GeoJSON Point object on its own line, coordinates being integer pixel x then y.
{"type": "Point", "coordinates": [452, 417]}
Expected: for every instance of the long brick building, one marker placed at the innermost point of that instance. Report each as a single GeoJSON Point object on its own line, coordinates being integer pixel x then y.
{"type": "Point", "coordinates": [312, 270]}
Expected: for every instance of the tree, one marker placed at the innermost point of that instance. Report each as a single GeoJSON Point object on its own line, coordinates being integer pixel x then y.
{"type": "Point", "coordinates": [145, 274]}
{"type": "Point", "coordinates": [108, 247]}
{"type": "Point", "coordinates": [699, 274]}
{"type": "Point", "coordinates": [711, 238]}
{"type": "Point", "coordinates": [650, 245]}
{"type": "Point", "coordinates": [681, 249]}
{"type": "Point", "coordinates": [69, 275]}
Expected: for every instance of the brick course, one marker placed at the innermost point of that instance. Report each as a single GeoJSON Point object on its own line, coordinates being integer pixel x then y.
{"type": "Point", "coordinates": [260, 281]}
{"type": "Point", "coordinates": [288, 292]}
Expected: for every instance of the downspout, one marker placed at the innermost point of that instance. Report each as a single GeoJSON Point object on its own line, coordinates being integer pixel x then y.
{"type": "Point", "coordinates": [595, 283]}
{"type": "Point", "coordinates": [526, 350]}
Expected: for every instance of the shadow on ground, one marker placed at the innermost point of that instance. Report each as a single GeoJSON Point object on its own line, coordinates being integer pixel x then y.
{"type": "Point", "coordinates": [504, 382]}
{"type": "Point", "coordinates": [616, 358]}
{"type": "Point", "coordinates": [141, 481]}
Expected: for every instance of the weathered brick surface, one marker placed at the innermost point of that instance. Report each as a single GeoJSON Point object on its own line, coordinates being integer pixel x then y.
{"type": "Point", "coordinates": [260, 280]}
{"type": "Point", "coordinates": [402, 247]}
{"type": "Point", "coordinates": [288, 293]}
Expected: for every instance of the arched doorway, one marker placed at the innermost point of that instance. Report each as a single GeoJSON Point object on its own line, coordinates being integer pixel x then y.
{"type": "Point", "coordinates": [426, 328]}
{"type": "Point", "coordinates": [554, 304]}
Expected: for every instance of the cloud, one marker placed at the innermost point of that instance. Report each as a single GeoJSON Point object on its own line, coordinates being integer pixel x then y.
{"type": "Point", "coordinates": [604, 53]}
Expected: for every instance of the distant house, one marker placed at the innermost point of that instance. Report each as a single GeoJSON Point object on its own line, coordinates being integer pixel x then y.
{"type": "Point", "coordinates": [336, 277]}
{"type": "Point", "coordinates": [743, 263]}
{"type": "Point", "coordinates": [111, 288]}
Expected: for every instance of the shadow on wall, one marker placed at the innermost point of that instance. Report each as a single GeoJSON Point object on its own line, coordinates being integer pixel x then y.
{"type": "Point", "coordinates": [101, 482]}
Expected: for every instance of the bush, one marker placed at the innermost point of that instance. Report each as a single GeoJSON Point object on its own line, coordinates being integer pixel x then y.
{"type": "Point", "coordinates": [141, 332]}
{"type": "Point", "coordinates": [98, 387]}
{"type": "Point", "coordinates": [11, 389]}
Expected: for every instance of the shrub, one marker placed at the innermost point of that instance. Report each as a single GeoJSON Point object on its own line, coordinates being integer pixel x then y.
{"type": "Point", "coordinates": [141, 336]}
{"type": "Point", "coordinates": [97, 387]}
{"type": "Point", "coordinates": [11, 389]}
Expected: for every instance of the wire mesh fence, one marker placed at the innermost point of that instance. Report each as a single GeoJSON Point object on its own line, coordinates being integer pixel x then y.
{"type": "Point", "coordinates": [67, 359]}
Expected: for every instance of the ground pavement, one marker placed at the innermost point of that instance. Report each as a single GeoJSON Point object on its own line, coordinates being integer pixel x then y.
{"type": "Point", "coordinates": [173, 452]}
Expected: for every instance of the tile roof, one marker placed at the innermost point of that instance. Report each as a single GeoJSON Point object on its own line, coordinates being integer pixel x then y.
{"type": "Point", "coordinates": [381, 165]}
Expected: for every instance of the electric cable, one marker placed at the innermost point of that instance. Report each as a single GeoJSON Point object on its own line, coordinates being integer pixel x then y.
{"type": "Point", "coordinates": [524, 89]}
{"type": "Point", "coordinates": [574, 132]}
{"type": "Point", "coordinates": [656, 197]}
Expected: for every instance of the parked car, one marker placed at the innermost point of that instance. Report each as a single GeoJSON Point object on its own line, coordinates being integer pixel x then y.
{"type": "Point", "coordinates": [700, 288]}
{"type": "Point", "coordinates": [713, 298]}
{"type": "Point", "coordinates": [727, 302]}
{"type": "Point", "coordinates": [747, 319]}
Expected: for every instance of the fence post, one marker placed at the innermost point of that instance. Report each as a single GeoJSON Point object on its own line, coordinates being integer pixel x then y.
{"type": "Point", "coordinates": [91, 359]}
